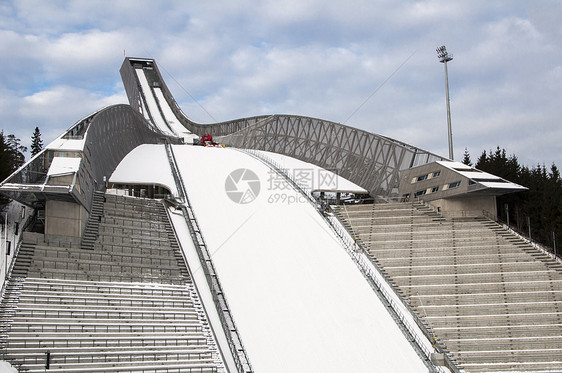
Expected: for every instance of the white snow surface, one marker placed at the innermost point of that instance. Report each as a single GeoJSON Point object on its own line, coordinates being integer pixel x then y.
{"type": "Point", "coordinates": [313, 177]}
{"type": "Point", "coordinates": [67, 144]}
{"type": "Point", "coordinates": [165, 119]}
{"type": "Point", "coordinates": [6, 367]}
{"type": "Point", "coordinates": [157, 118]}
{"type": "Point", "coordinates": [478, 176]}
{"type": "Point", "coordinates": [198, 276]}
{"type": "Point", "coordinates": [299, 301]}
{"type": "Point", "coordinates": [63, 166]}
{"type": "Point", "coordinates": [171, 118]}
{"type": "Point", "coordinates": [147, 164]}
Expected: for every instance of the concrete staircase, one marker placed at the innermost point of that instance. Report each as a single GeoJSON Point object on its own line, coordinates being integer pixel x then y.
{"type": "Point", "coordinates": [124, 304]}
{"type": "Point", "coordinates": [493, 301]}
{"type": "Point", "coordinates": [94, 219]}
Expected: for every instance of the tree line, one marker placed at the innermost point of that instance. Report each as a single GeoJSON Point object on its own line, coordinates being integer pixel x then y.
{"type": "Point", "coordinates": [537, 210]}
{"type": "Point", "coordinates": [12, 155]}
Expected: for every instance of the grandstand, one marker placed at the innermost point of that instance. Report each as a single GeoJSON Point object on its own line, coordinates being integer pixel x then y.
{"type": "Point", "coordinates": [287, 244]}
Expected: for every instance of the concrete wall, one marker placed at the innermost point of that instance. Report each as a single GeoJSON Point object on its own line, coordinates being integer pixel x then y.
{"type": "Point", "coordinates": [466, 206]}
{"type": "Point", "coordinates": [64, 219]}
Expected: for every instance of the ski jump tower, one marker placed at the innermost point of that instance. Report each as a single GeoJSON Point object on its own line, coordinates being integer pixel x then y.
{"type": "Point", "coordinates": [65, 182]}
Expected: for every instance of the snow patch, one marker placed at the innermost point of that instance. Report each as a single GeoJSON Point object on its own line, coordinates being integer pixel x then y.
{"type": "Point", "coordinates": [146, 165]}
{"type": "Point", "coordinates": [64, 166]}
{"type": "Point", "coordinates": [6, 367]}
{"type": "Point", "coordinates": [298, 299]}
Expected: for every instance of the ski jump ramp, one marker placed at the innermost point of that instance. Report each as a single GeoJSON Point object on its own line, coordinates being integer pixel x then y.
{"type": "Point", "coordinates": [295, 296]}
{"type": "Point", "coordinates": [298, 299]}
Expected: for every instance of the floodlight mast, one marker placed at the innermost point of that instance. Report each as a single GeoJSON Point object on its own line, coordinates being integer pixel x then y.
{"type": "Point", "coordinates": [444, 57]}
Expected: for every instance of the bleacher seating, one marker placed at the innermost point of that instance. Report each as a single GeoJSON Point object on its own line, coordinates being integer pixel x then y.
{"type": "Point", "coordinates": [123, 303]}
{"type": "Point", "coordinates": [490, 298]}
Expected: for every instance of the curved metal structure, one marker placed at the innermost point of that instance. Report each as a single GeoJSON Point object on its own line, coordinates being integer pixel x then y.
{"type": "Point", "coordinates": [372, 161]}
{"type": "Point", "coordinates": [101, 140]}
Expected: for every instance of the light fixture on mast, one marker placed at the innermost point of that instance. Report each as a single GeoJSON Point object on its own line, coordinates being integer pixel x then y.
{"type": "Point", "coordinates": [444, 57]}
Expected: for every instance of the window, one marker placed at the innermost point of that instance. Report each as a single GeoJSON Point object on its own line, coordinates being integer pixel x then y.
{"type": "Point", "coordinates": [456, 184]}
{"type": "Point", "coordinates": [434, 189]}
{"type": "Point", "coordinates": [423, 177]}
{"type": "Point", "coordinates": [420, 193]}
{"type": "Point", "coordinates": [436, 173]}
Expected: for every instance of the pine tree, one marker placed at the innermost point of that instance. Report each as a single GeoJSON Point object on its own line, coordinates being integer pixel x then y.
{"type": "Point", "coordinates": [466, 158]}
{"type": "Point", "coordinates": [5, 158]}
{"type": "Point", "coordinates": [36, 142]}
{"type": "Point", "coordinates": [11, 158]}
{"type": "Point", "coordinates": [541, 205]}
{"type": "Point", "coordinates": [15, 151]}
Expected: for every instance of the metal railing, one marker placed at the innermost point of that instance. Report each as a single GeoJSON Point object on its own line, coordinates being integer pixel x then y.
{"type": "Point", "coordinates": [233, 336]}
{"type": "Point", "coordinates": [550, 252]}
{"type": "Point", "coordinates": [360, 256]}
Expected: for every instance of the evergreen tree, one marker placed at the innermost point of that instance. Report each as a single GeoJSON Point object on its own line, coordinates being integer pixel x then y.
{"type": "Point", "coordinates": [541, 205]}
{"type": "Point", "coordinates": [36, 142]}
{"type": "Point", "coordinates": [11, 158]}
{"type": "Point", "coordinates": [499, 164]}
{"type": "Point", "coordinates": [5, 158]}
{"type": "Point", "coordinates": [466, 158]}
{"type": "Point", "coordinates": [14, 152]}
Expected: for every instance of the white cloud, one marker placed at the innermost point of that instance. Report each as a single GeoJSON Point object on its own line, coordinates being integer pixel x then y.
{"type": "Point", "coordinates": [316, 58]}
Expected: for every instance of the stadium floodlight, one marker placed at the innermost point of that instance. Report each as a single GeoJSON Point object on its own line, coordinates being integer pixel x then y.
{"type": "Point", "coordinates": [444, 57]}
{"type": "Point", "coordinates": [443, 54]}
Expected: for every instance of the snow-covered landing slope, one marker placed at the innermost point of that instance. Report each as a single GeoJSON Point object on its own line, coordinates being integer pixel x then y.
{"type": "Point", "coordinates": [300, 303]}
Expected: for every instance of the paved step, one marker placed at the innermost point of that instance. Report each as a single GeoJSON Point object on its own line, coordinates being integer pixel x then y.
{"type": "Point", "coordinates": [440, 289]}
{"type": "Point", "coordinates": [492, 300]}
{"type": "Point", "coordinates": [437, 300]}
{"type": "Point", "coordinates": [122, 301]}
{"type": "Point", "coordinates": [443, 269]}
{"type": "Point", "coordinates": [101, 299]}
{"type": "Point", "coordinates": [128, 288]}
{"type": "Point", "coordinates": [146, 366]}
{"type": "Point", "coordinates": [69, 356]}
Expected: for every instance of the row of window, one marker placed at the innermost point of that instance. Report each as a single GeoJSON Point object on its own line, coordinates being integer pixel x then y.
{"type": "Point", "coordinates": [428, 176]}
{"type": "Point", "coordinates": [434, 189]}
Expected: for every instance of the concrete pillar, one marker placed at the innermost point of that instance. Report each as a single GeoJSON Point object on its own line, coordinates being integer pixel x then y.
{"type": "Point", "coordinates": [65, 219]}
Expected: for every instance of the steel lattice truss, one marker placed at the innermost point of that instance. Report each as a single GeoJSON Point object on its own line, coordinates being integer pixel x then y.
{"type": "Point", "coordinates": [367, 159]}
{"type": "Point", "coordinates": [371, 161]}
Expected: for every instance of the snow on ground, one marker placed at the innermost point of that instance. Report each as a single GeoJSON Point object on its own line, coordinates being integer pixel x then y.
{"type": "Point", "coordinates": [147, 165]}
{"type": "Point", "coordinates": [299, 301]}
{"type": "Point", "coordinates": [313, 177]}
{"type": "Point", "coordinates": [6, 367]}
{"type": "Point", "coordinates": [202, 287]}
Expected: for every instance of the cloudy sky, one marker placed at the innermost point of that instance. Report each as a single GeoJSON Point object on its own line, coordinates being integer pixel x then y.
{"type": "Point", "coordinates": [370, 64]}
